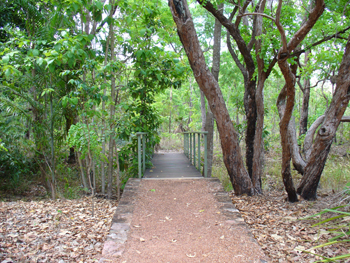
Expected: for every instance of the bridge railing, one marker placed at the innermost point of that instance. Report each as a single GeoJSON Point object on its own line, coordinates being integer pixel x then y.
{"type": "Point", "coordinates": [141, 152]}
{"type": "Point", "coordinates": [193, 154]}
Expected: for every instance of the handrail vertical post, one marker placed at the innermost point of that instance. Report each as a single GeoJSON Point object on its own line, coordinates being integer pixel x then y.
{"type": "Point", "coordinates": [199, 152]}
{"type": "Point", "coordinates": [139, 154]}
{"type": "Point", "coordinates": [184, 144]}
{"type": "Point", "coordinates": [190, 147]}
{"type": "Point", "coordinates": [144, 137]}
{"type": "Point", "coordinates": [205, 156]}
{"type": "Point", "coordinates": [187, 145]}
{"type": "Point", "coordinates": [194, 150]}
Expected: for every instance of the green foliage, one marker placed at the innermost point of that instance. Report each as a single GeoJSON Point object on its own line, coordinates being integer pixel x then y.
{"type": "Point", "coordinates": [85, 140]}
{"type": "Point", "coordinates": [2, 146]}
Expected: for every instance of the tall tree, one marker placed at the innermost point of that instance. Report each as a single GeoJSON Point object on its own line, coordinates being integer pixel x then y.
{"type": "Point", "coordinates": [229, 140]}
{"type": "Point", "coordinates": [209, 119]}
{"type": "Point", "coordinates": [308, 185]}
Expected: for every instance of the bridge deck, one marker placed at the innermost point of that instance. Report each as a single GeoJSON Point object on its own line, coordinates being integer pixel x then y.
{"type": "Point", "coordinates": [171, 165]}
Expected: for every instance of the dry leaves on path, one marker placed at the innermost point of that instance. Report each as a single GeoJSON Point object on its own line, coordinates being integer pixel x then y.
{"type": "Point", "coordinates": [54, 231]}
{"type": "Point", "coordinates": [276, 225]}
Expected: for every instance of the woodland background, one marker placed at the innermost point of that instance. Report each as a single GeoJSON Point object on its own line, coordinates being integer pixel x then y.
{"type": "Point", "coordinates": [79, 78]}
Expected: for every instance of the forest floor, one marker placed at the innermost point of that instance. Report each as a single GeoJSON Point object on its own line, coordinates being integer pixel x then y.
{"type": "Point", "coordinates": [65, 231]}
{"type": "Point", "coordinates": [280, 228]}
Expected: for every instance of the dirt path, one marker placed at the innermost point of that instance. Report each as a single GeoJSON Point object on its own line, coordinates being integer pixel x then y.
{"type": "Point", "coordinates": [187, 221]}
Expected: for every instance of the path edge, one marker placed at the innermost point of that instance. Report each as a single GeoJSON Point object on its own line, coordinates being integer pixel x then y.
{"type": "Point", "coordinates": [115, 243]}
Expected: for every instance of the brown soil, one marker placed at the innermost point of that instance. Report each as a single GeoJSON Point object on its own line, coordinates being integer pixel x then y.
{"type": "Point", "coordinates": [180, 221]}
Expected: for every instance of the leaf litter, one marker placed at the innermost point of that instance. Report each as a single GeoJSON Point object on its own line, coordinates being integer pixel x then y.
{"type": "Point", "coordinates": [280, 230]}
{"type": "Point", "coordinates": [65, 231]}
{"type": "Point", "coordinates": [54, 231]}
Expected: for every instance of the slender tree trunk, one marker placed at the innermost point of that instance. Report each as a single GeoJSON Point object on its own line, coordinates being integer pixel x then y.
{"type": "Point", "coordinates": [117, 173]}
{"type": "Point", "coordinates": [190, 105]}
{"type": "Point", "coordinates": [103, 136]}
{"type": "Point", "coordinates": [112, 112]}
{"type": "Point", "coordinates": [83, 178]}
{"type": "Point", "coordinates": [170, 101]}
{"type": "Point", "coordinates": [53, 167]}
{"type": "Point", "coordinates": [308, 185]}
{"type": "Point", "coordinates": [229, 141]}
{"type": "Point", "coordinates": [306, 97]}
{"type": "Point", "coordinates": [258, 168]}
{"type": "Point", "coordinates": [203, 111]}
{"type": "Point", "coordinates": [248, 71]}
{"type": "Point", "coordinates": [215, 71]}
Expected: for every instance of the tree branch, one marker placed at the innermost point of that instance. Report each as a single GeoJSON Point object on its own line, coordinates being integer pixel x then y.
{"type": "Point", "coordinates": [280, 27]}
{"type": "Point", "coordinates": [321, 41]}
{"type": "Point", "coordinates": [235, 57]}
{"type": "Point", "coordinates": [258, 14]}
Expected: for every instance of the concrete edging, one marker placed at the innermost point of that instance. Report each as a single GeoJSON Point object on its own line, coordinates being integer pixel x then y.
{"type": "Point", "coordinates": [114, 245]}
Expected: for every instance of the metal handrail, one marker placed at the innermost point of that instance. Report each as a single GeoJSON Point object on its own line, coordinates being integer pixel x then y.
{"type": "Point", "coordinates": [190, 149]}
{"type": "Point", "coordinates": [141, 139]}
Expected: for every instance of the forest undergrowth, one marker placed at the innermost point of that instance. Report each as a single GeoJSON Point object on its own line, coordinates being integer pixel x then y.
{"type": "Point", "coordinates": [32, 226]}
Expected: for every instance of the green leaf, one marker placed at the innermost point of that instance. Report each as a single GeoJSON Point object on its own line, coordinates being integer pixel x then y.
{"type": "Point", "coordinates": [64, 101]}
{"type": "Point", "coordinates": [5, 59]}
{"type": "Point", "coordinates": [39, 61]}
{"type": "Point", "coordinates": [74, 101]}
{"type": "Point", "coordinates": [52, 67]}
{"type": "Point", "coordinates": [143, 31]}
{"type": "Point", "coordinates": [35, 52]}
{"type": "Point", "coordinates": [58, 47]}
{"type": "Point", "coordinates": [71, 62]}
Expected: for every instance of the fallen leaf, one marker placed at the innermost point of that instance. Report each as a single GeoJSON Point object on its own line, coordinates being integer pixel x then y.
{"type": "Point", "coordinates": [191, 256]}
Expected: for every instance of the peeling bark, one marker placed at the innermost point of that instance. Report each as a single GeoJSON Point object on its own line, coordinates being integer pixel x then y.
{"type": "Point", "coordinates": [289, 91]}
{"type": "Point", "coordinates": [229, 139]}
{"type": "Point", "coordinates": [308, 185]}
{"type": "Point", "coordinates": [258, 167]}
{"type": "Point", "coordinates": [309, 137]}
{"type": "Point", "coordinates": [247, 70]}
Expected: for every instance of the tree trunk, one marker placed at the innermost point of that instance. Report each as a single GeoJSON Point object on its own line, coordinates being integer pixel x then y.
{"type": "Point", "coordinates": [229, 142]}
{"type": "Point", "coordinates": [308, 185]}
{"type": "Point", "coordinates": [209, 127]}
{"type": "Point", "coordinates": [53, 166]}
{"type": "Point", "coordinates": [257, 167]}
{"type": "Point", "coordinates": [112, 112]}
{"type": "Point", "coordinates": [215, 70]}
{"type": "Point", "coordinates": [248, 72]}
{"type": "Point", "coordinates": [103, 164]}
{"type": "Point", "coordinates": [83, 178]}
{"type": "Point", "coordinates": [288, 90]}
{"type": "Point", "coordinates": [298, 162]}
{"type": "Point", "coordinates": [203, 111]}
{"type": "Point", "coordinates": [190, 105]}
{"type": "Point", "coordinates": [170, 100]}
{"type": "Point", "coordinates": [304, 113]}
